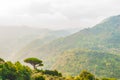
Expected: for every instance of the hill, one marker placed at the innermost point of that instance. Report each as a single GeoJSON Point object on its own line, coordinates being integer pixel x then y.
{"type": "Point", "coordinates": [13, 39]}
{"type": "Point", "coordinates": [103, 37]}
{"type": "Point", "coordinates": [102, 64]}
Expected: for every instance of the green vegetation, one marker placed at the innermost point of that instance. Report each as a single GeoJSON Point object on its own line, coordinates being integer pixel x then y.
{"type": "Point", "coordinates": [1, 61]}
{"type": "Point", "coordinates": [101, 42]}
{"type": "Point", "coordinates": [96, 50]}
{"type": "Point", "coordinates": [84, 75]}
{"type": "Point", "coordinates": [102, 64]}
{"type": "Point", "coordinates": [34, 62]}
{"type": "Point", "coordinates": [38, 76]}
{"type": "Point", "coordinates": [17, 71]}
{"type": "Point", "coordinates": [53, 73]}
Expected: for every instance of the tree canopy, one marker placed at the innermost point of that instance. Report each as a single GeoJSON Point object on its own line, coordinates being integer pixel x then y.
{"type": "Point", "coordinates": [15, 71]}
{"type": "Point", "coordinates": [34, 62]}
{"type": "Point", "coordinates": [1, 61]}
{"type": "Point", "coordinates": [84, 75]}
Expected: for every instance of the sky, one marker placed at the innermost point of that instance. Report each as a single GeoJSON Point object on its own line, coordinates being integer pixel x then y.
{"type": "Point", "coordinates": [56, 14]}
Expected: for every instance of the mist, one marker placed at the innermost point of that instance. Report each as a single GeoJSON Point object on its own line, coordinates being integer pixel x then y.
{"type": "Point", "coordinates": [56, 14]}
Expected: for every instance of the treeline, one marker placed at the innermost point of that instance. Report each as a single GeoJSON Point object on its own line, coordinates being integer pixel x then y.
{"type": "Point", "coordinates": [17, 71]}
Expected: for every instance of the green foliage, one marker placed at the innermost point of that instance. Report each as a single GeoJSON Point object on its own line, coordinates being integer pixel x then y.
{"type": "Point", "coordinates": [15, 71]}
{"type": "Point", "coordinates": [104, 37]}
{"type": "Point", "coordinates": [38, 76]}
{"type": "Point", "coordinates": [69, 78]}
{"type": "Point", "coordinates": [1, 65]}
{"type": "Point", "coordinates": [53, 73]}
{"type": "Point", "coordinates": [84, 75]}
{"type": "Point", "coordinates": [34, 62]}
{"type": "Point", "coordinates": [9, 71]}
{"type": "Point", "coordinates": [102, 64]}
{"type": "Point", "coordinates": [23, 72]}
{"type": "Point", "coordinates": [0, 78]}
{"type": "Point", "coordinates": [108, 79]}
{"type": "Point", "coordinates": [1, 61]}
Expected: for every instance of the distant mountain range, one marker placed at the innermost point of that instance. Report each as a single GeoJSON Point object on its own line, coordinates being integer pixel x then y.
{"type": "Point", "coordinates": [98, 46]}
{"type": "Point", "coordinates": [101, 36]}
{"type": "Point", "coordinates": [96, 49]}
{"type": "Point", "coordinates": [13, 39]}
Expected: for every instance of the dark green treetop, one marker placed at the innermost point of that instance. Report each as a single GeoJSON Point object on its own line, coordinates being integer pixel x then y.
{"type": "Point", "coordinates": [34, 62]}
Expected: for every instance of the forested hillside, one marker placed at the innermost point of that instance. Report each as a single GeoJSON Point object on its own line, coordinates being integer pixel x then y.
{"type": "Point", "coordinates": [102, 64]}
{"type": "Point", "coordinates": [103, 38]}
{"type": "Point", "coordinates": [17, 71]}
{"type": "Point", "coordinates": [94, 49]}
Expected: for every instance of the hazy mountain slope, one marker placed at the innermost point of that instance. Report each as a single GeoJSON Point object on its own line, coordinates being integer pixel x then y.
{"type": "Point", "coordinates": [27, 50]}
{"type": "Point", "coordinates": [103, 37]}
{"type": "Point", "coordinates": [100, 50]}
{"type": "Point", "coordinates": [12, 39]}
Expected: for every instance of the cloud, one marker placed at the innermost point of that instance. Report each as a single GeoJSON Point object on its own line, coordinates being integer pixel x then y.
{"type": "Point", "coordinates": [37, 8]}
{"type": "Point", "coordinates": [57, 13]}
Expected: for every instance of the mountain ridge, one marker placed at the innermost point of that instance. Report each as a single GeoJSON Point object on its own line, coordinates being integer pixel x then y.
{"type": "Point", "coordinates": [101, 41]}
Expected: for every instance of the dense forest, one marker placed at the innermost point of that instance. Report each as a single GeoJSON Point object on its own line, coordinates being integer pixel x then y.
{"type": "Point", "coordinates": [102, 64]}
{"type": "Point", "coordinates": [18, 71]}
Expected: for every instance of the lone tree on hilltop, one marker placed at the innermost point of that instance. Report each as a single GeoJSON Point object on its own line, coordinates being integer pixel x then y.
{"type": "Point", "coordinates": [34, 62]}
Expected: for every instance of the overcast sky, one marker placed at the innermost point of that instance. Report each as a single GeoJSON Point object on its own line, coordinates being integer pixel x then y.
{"type": "Point", "coordinates": [56, 14]}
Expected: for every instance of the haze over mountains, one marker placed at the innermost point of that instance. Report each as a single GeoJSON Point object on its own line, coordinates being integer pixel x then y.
{"type": "Point", "coordinates": [96, 49]}
{"type": "Point", "coordinates": [103, 39]}
{"type": "Point", "coordinates": [12, 39]}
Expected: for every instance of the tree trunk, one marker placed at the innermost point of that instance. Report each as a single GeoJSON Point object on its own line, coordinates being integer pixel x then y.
{"type": "Point", "coordinates": [34, 67]}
